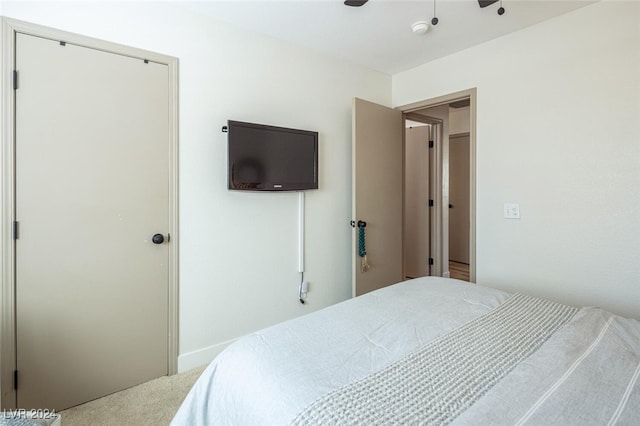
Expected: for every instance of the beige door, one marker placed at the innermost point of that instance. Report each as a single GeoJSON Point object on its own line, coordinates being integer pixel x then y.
{"type": "Point", "coordinates": [377, 194]}
{"type": "Point", "coordinates": [459, 198]}
{"type": "Point", "coordinates": [417, 221]}
{"type": "Point", "coordinates": [92, 149]}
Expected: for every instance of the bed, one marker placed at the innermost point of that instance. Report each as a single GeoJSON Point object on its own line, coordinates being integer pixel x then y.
{"type": "Point", "coordinates": [428, 351]}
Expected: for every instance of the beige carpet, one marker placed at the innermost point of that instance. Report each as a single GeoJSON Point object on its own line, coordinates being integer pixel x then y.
{"type": "Point", "coordinates": [151, 403]}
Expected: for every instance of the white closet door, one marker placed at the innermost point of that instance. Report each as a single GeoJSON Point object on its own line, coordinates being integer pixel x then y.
{"type": "Point", "coordinates": [92, 180]}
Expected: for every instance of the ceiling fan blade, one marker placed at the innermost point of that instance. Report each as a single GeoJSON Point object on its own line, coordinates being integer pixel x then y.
{"type": "Point", "coordinates": [485, 3]}
{"type": "Point", "coordinates": [355, 3]}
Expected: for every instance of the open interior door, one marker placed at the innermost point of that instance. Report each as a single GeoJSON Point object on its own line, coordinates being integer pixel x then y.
{"type": "Point", "coordinates": [377, 195]}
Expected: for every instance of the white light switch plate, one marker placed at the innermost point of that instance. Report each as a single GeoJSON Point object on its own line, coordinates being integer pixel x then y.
{"type": "Point", "coordinates": [511, 211]}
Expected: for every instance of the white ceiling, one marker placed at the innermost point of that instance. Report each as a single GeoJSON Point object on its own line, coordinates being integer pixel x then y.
{"type": "Point", "coordinates": [378, 35]}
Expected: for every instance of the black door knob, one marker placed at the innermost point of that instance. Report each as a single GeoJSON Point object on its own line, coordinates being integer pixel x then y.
{"type": "Point", "coordinates": [157, 239]}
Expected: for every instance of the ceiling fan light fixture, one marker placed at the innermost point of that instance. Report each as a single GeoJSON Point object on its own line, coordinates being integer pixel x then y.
{"type": "Point", "coordinates": [420, 27]}
{"type": "Point", "coordinates": [434, 21]}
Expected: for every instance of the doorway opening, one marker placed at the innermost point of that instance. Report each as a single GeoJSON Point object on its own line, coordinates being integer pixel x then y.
{"type": "Point", "coordinates": [439, 187]}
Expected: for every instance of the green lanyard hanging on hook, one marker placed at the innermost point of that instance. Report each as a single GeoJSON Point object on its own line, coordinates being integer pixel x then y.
{"type": "Point", "coordinates": [362, 251]}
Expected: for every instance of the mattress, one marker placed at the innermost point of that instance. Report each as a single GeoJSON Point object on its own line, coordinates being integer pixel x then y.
{"type": "Point", "coordinates": [450, 351]}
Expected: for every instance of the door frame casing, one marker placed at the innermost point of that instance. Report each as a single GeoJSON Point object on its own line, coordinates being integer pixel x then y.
{"type": "Point", "coordinates": [10, 27]}
{"type": "Point", "coordinates": [470, 94]}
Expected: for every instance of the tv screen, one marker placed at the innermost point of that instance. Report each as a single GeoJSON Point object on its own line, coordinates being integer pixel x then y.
{"type": "Point", "coordinates": [270, 158]}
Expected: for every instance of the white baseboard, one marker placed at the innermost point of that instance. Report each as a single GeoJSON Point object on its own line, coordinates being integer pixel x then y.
{"type": "Point", "coordinates": [200, 357]}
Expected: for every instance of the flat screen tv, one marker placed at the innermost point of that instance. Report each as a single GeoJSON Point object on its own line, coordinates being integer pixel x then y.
{"type": "Point", "coordinates": [270, 158]}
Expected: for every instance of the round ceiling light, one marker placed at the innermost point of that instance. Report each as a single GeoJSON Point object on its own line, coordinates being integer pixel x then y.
{"type": "Point", "coordinates": [420, 27]}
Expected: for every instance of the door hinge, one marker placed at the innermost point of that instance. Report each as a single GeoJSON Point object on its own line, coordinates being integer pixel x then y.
{"type": "Point", "coordinates": [431, 261]}
{"type": "Point", "coordinates": [430, 144]}
{"type": "Point", "coordinates": [15, 229]}
{"type": "Point", "coordinates": [15, 379]}
{"type": "Point", "coordinates": [15, 80]}
{"type": "Point", "coordinates": [430, 203]}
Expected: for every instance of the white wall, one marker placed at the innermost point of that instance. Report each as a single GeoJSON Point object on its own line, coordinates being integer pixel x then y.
{"type": "Point", "coordinates": [238, 259]}
{"type": "Point", "coordinates": [558, 131]}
